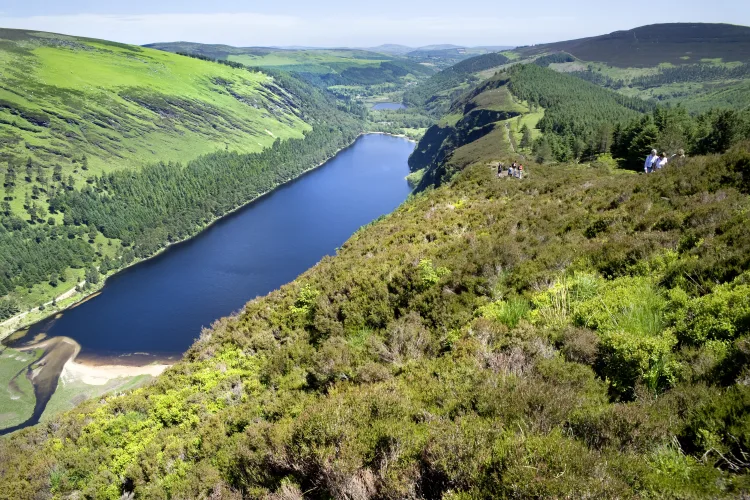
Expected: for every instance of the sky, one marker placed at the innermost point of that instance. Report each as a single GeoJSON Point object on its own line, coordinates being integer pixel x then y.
{"type": "Point", "coordinates": [338, 23]}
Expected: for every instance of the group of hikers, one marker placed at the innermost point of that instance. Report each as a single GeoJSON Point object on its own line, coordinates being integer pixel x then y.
{"type": "Point", "coordinates": [514, 170]}
{"type": "Point", "coordinates": [656, 161]}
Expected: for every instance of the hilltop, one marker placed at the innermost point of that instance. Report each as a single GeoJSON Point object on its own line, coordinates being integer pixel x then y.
{"type": "Point", "coordinates": [646, 46]}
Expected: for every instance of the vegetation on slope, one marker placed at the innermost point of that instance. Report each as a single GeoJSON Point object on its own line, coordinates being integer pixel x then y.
{"type": "Point", "coordinates": [674, 129]}
{"type": "Point", "coordinates": [578, 116]}
{"type": "Point", "coordinates": [64, 98]}
{"type": "Point", "coordinates": [648, 46]}
{"type": "Point", "coordinates": [490, 338]}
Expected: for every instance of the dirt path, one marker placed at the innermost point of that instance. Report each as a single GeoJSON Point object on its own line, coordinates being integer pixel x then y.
{"type": "Point", "coordinates": [507, 132]}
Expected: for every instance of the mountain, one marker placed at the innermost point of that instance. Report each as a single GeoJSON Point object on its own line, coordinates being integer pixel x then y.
{"type": "Point", "coordinates": [583, 331]}
{"type": "Point", "coordinates": [435, 94]}
{"type": "Point", "coordinates": [391, 48]}
{"type": "Point", "coordinates": [674, 43]}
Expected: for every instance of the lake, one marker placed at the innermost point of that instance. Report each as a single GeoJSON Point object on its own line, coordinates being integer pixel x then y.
{"type": "Point", "coordinates": [156, 309]}
{"type": "Point", "coordinates": [388, 105]}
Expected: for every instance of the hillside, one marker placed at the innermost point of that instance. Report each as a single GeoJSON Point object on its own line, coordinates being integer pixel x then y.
{"type": "Point", "coordinates": [63, 98]}
{"type": "Point", "coordinates": [95, 139]}
{"type": "Point", "coordinates": [435, 94]}
{"type": "Point", "coordinates": [647, 46]}
{"type": "Point", "coordinates": [699, 66]}
{"type": "Point", "coordinates": [491, 338]}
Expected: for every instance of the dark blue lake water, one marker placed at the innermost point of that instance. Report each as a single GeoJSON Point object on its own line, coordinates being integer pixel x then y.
{"type": "Point", "coordinates": [388, 105]}
{"type": "Point", "coordinates": [159, 306]}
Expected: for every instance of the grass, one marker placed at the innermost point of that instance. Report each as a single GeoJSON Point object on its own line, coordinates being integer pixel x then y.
{"type": "Point", "coordinates": [124, 106]}
{"type": "Point", "coordinates": [499, 99]}
{"type": "Point", "coordinates": [16, 392]}
{"type": "Point", "coordinates": [530, 120]}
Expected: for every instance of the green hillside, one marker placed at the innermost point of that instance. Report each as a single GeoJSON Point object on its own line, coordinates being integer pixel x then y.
{"type": "Point", "coordinates": [326, 67]}
{"type": "Point", "coordinates": [583, 332]}
{"type": "Point", "coordinates": [648, 46]}
{"type": "Point", "coordinates": [62, 98]}
{"type": "Point", "coordinates": [435, 94]}
{"type": "Point", "coordinates": [699, 66]}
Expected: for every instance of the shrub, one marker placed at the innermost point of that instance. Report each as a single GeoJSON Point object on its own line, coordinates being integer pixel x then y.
{"type": "Point", "coordinates": [627, 358]}
{"type": "Point", "coordinates": [723, 314]}
{"type": "Point", "coordinates": [580, 345]}
{"type": "Point", "coordinates": [508, 312]}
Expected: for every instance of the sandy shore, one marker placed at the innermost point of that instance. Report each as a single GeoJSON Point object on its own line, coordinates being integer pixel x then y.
{"type": "Point", "coordinates": [100, 375]}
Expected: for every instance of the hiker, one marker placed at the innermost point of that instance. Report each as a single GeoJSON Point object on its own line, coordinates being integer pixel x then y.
{"type": "Point", "coordinates": [680, 158]}
{"type": "Point", "coordinates": [510, 171]}
{"type": "Point", "coordinates": [661, 162]}
{"type": "Point", "coordinates": [648, 167]}
{"type": "Point", "coordinates": [499, 168]}
{"type": "Point", "coordinates": [520, 171]}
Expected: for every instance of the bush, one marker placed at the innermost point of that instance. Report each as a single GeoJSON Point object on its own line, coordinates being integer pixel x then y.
{"type": "Point", "coordinates": [723, 314]}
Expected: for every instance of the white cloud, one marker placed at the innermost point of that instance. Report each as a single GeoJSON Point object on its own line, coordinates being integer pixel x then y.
{"type": "Point", "coordinates": [253, 29]}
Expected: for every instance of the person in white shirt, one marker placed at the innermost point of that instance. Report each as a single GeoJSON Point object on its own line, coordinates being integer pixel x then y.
{"type": "Point", "coordinates": [662, 161]}
{"type": "Point", "coordinates": [651, 159]}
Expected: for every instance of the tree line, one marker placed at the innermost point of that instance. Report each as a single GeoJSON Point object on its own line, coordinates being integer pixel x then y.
{"type": "Point", "coordinates": [691, 73]}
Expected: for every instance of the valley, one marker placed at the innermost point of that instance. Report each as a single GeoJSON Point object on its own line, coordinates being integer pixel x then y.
{"type": "Point", "coordinates": [407, 320]}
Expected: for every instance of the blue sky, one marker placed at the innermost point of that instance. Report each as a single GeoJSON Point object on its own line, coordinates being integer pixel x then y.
{"type": "Point", "coordinates": [352, 23]}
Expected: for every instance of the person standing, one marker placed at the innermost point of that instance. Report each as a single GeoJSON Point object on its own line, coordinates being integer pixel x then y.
{"type": "Point", "coordinates": [499, 168]}
{"type": "Point", "coordinates": [661, 162]}
{"type": "Point", "coordinates": [651, 159]}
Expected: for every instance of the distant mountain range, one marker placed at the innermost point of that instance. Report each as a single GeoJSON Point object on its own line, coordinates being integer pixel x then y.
{"type": "Point", "coordinates": [647, 46]}
{"type": "Point", "coordinates": [404, 50]}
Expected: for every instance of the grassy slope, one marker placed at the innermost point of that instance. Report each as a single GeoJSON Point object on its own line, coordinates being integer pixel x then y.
{"type": "Point", "coordinates": [123, 106]}
{"type": "Point", "coordinates": [319, 60]}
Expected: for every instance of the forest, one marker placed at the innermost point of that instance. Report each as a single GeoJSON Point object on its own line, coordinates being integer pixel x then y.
{"type": "Point", "coordinates": [578, 116]}
{"type": "Point", "coordinates": [687, 73]}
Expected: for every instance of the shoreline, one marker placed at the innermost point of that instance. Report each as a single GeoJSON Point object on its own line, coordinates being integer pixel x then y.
{"type": "Point", "coordinates": [82, 296]}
